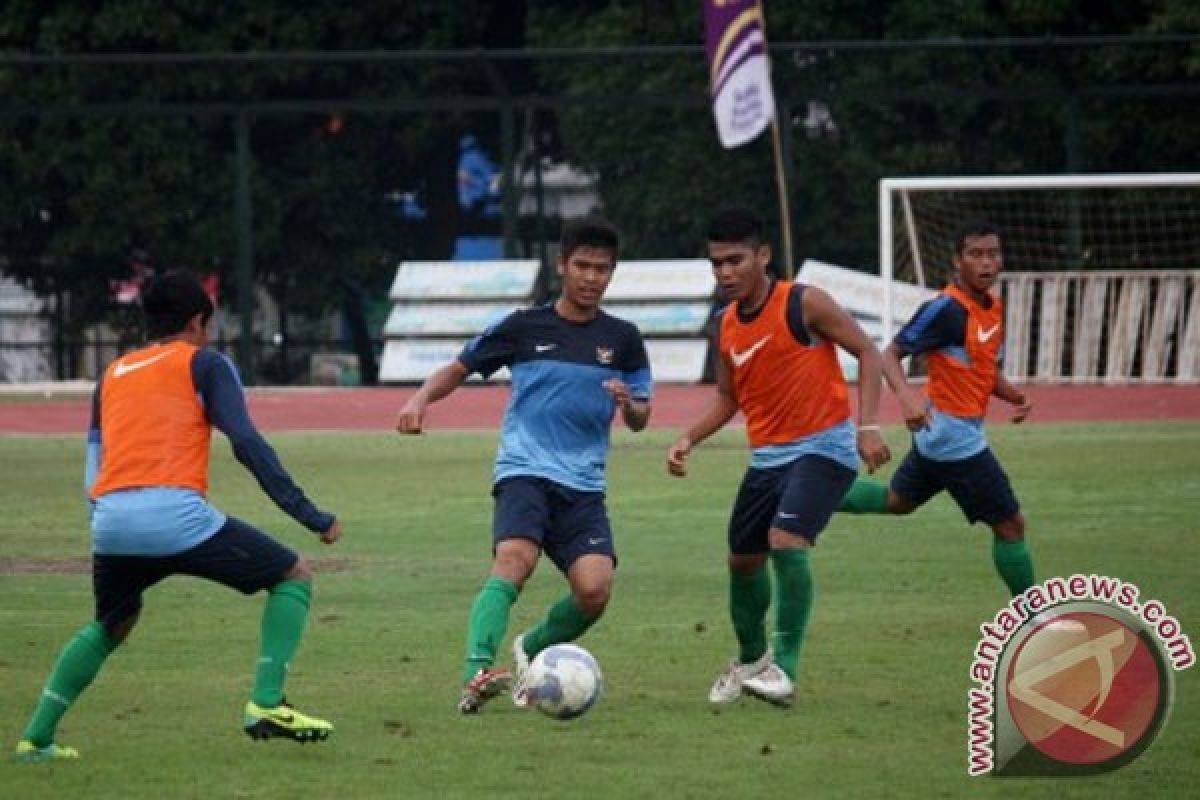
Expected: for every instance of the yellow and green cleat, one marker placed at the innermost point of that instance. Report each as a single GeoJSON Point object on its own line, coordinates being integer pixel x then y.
{"type": "Point", "coordinates": [30, 753]}
{"type": "Point", "coordinates": [284, 721]}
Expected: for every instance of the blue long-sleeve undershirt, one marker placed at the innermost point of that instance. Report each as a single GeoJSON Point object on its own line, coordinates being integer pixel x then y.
{"type": "Point", "coordinates": [220, 390]}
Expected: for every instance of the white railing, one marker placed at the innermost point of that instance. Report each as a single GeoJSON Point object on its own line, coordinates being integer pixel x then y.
{"type": "Point", "coordinates": [1102, 326]}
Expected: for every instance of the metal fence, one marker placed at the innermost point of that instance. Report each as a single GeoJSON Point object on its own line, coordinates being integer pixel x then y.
{"type": "Point", "coordinates": [258, 135]}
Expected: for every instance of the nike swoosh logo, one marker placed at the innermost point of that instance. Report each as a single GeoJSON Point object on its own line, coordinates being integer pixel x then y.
{"type": "Point", "coordinates": [741, 358]}
{"type": "Point", "coordinates": [985, 335]}
{"type": "Point", "coordinates": [285, 717]}
{"type": "Point", "coordinates": [125, 367]}
{"type": "Point", "coordinates": [541, 348]}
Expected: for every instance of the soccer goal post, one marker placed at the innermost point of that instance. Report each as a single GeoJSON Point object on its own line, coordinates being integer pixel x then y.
{"type": "Point", "coordinates": [1101, 280]}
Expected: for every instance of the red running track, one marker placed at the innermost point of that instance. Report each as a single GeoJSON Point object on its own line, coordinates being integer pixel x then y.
{"type": "Point", "coordinates": [674, 406]}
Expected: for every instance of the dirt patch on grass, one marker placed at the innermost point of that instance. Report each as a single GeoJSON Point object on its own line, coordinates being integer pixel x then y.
{"type": "Point", "coordinates": [328, 564]}
{"type": "Point", "coordinates": [45, 566]}
{"type": "Point", "coordinates": [83, 566]}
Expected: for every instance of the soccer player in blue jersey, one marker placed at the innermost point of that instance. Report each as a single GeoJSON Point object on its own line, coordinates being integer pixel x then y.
{"type": "Point", "coordinates": [573, 367]}
{"type": "Point", "coordinates": [961, 335]}
{"type": "Point", "coordinates": [147, 478]}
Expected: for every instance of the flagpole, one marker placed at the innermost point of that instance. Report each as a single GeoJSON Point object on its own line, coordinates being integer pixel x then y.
{"type": "Point", "coordinates": [785, 215]}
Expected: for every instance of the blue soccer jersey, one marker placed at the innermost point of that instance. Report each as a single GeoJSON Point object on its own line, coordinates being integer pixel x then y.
{"type": "Point", "coordinates": [559, 416]}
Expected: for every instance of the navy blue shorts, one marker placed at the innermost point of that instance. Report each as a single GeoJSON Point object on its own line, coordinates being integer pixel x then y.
{"type": "Point", "coordinates": [566, 523]}
{"type": "Point", "coordinates": [238, 556]}
{"type": "Point", "coordinates": [799, 498]}
{"type": "Point", "coordinates": [978, 484]}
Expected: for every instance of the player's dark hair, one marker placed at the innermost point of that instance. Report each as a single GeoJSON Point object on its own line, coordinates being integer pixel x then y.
{"type": "Point", "coordinates": [971, 229]}
{"type": "Point", "coordinates": [737, 226]}
{"type": "Point", "coordinates": [588, 232]}
{"type": "Point", "coordinates": [170, 300]}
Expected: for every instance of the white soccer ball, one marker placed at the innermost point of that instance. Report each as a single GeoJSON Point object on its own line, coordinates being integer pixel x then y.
{"type": "Point", "coordinates": [564, 681]}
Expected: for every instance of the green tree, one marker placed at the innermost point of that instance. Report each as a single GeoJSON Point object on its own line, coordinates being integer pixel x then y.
{"type": "Point", "coordinates": [90, 189]}
{"type": "Point", "coordinates": [934, 110]}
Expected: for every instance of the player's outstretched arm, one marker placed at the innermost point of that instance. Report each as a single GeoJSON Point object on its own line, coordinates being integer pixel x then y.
{"type": "Point", "coordinates": [826, 318]}
{"type": "Point", "coordinates": [225, 404]}
{"type": "Point", "coordinates": [1011, 394]}
{"type": "Point", "coordinates": [913, 403]}
{"type": "Point", "coordinates": [720, 411]}
{"type": "Point", "coordinates": [440, 383]}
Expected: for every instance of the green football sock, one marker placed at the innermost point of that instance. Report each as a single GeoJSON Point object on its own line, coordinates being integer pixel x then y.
{"type": "Point", "coordinates": [749, 598]}
{"type": "Point", "coordinates": [77, 666]}
{"type": "Point", "coordinates": [1014, 563]}
{"type": "Point", "coordinates": [487, 623]}
{"type": "Point", "coordinates": [793, 603]}
{"type": "Point", "coordinates": [283, 622]}
{"type": "Point", "coordinates": [565, 622]}
{"type": "Point", "coordinates": [865, 497]}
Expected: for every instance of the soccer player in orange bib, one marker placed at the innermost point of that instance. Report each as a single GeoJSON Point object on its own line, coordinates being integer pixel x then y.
{"type": "Point", "coordinates": [961, 333]}
{"type": "Point", "coordinates": [778, 365]}
{"type": "Point", "coordinates": [147, 478]}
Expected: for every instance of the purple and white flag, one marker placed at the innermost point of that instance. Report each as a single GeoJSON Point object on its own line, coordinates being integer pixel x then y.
{"type": "Point", "coordinates": [739, 74]}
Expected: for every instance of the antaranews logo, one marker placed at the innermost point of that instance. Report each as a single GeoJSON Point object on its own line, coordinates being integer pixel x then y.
{"type": "Point", "coordinates": [1075, 677]}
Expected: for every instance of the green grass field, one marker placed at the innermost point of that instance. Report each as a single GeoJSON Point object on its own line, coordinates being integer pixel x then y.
{"type": "Point", "coordinates": [881, 708]}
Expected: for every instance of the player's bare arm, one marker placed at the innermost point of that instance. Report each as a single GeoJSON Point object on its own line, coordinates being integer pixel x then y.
{"type": "Point", "coordinates": [1011, 394]}
{"type": "Point", "coordinates": [826, 318]}
{"type": "Point", "coordinates": [722, 408]}
{"type": "Point", "coordinates": [636, 413]}
{"type": "Point", "coordinates": [914, 405]}
{"type": "Point", "coordinates": [439, 384]}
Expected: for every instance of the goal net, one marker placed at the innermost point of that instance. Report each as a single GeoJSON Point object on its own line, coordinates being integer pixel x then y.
{"type": "Point", "coordinates": [1101, 278]}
